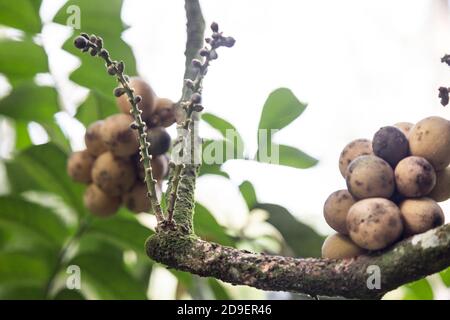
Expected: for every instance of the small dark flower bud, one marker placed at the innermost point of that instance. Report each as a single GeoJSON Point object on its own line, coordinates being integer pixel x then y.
{"type": "Point", "coordinates": [198, 108]}
{"type": "Point", "coordinates": [80, 42]}
{"type": "Point", "coordinates": [189, 83]}
{"type": "Point", "coordinates": [228, 42]}
{"type": "Point", "coordinates": [84, 35]}
{"type": "Point", "coordinates": [112, 70]}
{"type": "Point", "coordinates": [93, 52]}
{"type": "Point", "coordinates": [197, 63]}
{"type": "Point", "coordinates": [213, 55]}
{"type": "Point", "coordinates": [119, 91]}
{"type": "Point", "coordinates": [204, 52]}
{"type": "Point", "coordinates": [93, 38]}
{"type": "Point", "coordinates": [214, 27]}
{"type": "Point", "coordinates": [216, 35]}
{"type": "Point", "coordinates": [196, 98]}
{"type": "Point", "coordinates": [134, 125]}
{"type": "Point", "coordinates": [121, 66]}
{"type": "Point", "coordinates": [137, 99]}
{"type": "Point", "coordinates": [103, 53]}
{"type": "Point", "coordinates": [446, 59]}
{"type": "Point", "coordinates": [444, 96]}
{"type": "Point", "coordinates": [99, 43]}
{"type": "Point", "coordinates": [208, 40]}
{"type": "Point", "coordinates": [85, 49]}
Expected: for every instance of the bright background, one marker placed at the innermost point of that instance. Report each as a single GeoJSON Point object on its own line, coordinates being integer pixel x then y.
{"type": "Point", "coordinates": [359, 65]}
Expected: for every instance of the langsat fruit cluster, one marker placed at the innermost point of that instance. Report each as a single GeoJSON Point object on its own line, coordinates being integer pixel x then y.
{"type": "Point", "coordinates": [110, 165]}
{"type": "Point", "coordinates": [394, 184]}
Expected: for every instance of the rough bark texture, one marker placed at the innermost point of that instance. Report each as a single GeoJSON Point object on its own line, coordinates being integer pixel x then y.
{"type": "Point", "coordinates": [407, 261]}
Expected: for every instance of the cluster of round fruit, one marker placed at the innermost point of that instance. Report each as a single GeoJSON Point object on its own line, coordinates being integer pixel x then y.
{"type": "Point", "coordinates": [393, 185]}
{"type": "Point", "coordinates": [111, 164]}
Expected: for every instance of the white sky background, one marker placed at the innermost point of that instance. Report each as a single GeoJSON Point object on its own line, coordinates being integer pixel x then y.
{"type": "Point", "coordinates": [359, 65]}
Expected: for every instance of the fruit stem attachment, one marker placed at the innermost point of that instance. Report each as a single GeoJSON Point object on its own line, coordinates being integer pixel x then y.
{"type": "Point", "coordinates": [94, 45]}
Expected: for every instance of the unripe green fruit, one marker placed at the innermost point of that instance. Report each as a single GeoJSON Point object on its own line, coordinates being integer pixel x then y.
{"type": "Point", "coordinates": [79, 166]}
{"type": "Point", "coordinates": [113, 175]}
{"type": "Point", "coordinates": [93, 139]}
{"type": "Point", "coordinates": [336, 209]}
{"type": "Point", "coordinates": [354, 149]}
{"type": "Point", "coordinates": [370, 176]}
{"type": "Point", "coordinates": [99, 203]}
{"type": "Point", "coordinates": [430, 139]}
{"type": "Point", "coordinates": [338, 246]}
{"type": "Point", "coordinates": [143, 89]}
{"type": "Point", "coordinates": [374, 223]}
{"type": "Point", "coordinates": [159, 141]}
{"type": "Point", "coordinates": [441, 190]}
{"type": "Point", "coordinates": [415, 177]}
{"type": "Point", "coordinates": [117, 135]}
{"type": "Point", "coordinates": [420, 215]}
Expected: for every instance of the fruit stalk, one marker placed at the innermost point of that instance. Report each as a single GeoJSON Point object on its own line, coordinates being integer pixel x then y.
{"type": "Point", "coordinates": [114, 68]}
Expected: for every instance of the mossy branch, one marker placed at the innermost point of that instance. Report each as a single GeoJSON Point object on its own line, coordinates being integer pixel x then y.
{"type": "Point", "coordinates": [407, 261]}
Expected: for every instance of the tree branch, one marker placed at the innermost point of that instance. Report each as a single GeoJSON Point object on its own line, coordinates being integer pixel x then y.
{"type": "Point", "coordinates": [407, 261]}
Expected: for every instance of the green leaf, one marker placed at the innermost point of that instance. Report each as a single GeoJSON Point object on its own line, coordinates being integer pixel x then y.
{"type": "Point", "coordinates": [219, 291]}
{"type": "Point", "coordinates": [67, 294]}
{"type": "Point", "coordinates": [43, 168]}
{"type": "Point", "coordinates": [21, 292]}
{"type": "Point", "coordinates": [228, 132]}
{"type": "Point", "coordinates": [287, 156]}
{"type": "Point", "coordinates": [29, 102]}
{"type": "Point", "coordinates": [249, 194]}
{"type": "Point", "coordinates": [212, 169]}
{"type": "Point", "coordinates": [22, 136]}
{"type": "Point", "coordinates": [445, 276]}
{"type": "Point", "coordinates": [280, 109]}
{"type": "Point", "coordinates": [103, 19]}
{"type": "Point", "coordinates": [206, 226]}
{"type": "Point", "coordinates": [35, 218]}
{"type": "Point", "coordinates": [122, 229]}
{"type": "Point", "coordinates": [21, 59]}
{"type": "Point", "coordinates": [18, 268]}
{"type": "Point", "coordinates": [419, 290]}
{"type": "Point", "coordinates": [302, 239]}
{"type": "Point", "coordinates": [109, 279]}
{"type": "Point", "coordinates": [21, 14]}
{"type": "Point", "coordinates": [96, 107]}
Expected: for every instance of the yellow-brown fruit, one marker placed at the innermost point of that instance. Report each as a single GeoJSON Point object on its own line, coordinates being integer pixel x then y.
{"type": "Point", "coordinates": [338, 246]}
{"type": "Point", "coordinates": [374, 223]}
{"type": "Point", "coordinates": [93, 139]}
{"type": "Point", "coordinates": [404, 127]}
{"type": "Point", "coordinates": [370, 176]}
{"type": "Point", "coordinates": [354, 149]}
{"type": "Point", "coordinates": [414, 177]}
{"type": "Point", "coordinates": [136, 199]}
{"type": "Point", "coordinates": [117, 135]}
{"type": "Point", "coordinates": [113, 175]}
{"type": "Point", "coordinates": [79, 166]}
{"type": "Point", "coordinates": [99, 203]}
{"type": "Point", "coordinates": [441, 190]}
{"type": "Point", "coordinates": [336, 209]}
{"type": "Point", "coordinates": [430, 138]}
{"type": "Point", "coordinates": [420, 215]}
{"type": "Point", "coordinates": [164, 113]}
{"type": "Point", "coordinates": [143, 89]}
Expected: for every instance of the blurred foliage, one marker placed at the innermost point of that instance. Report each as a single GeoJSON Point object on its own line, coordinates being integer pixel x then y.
{"type": "Point", "coordinates": [40, 238]}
